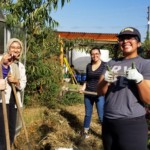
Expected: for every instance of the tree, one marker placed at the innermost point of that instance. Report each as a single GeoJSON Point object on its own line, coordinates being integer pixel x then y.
{"type": "Point", "coordinates": [145, 51]}
{"type": "Point", "coordinates": [30, 15]}
{"type": "Point", "coordinates": [43, 69]}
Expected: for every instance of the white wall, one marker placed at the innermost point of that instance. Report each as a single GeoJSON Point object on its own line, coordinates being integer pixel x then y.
{"type": "Point", "coordinates": [80, 59]}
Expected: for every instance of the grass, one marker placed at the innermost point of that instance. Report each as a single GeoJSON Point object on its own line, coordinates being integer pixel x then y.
{"type": "Point", "coordinates": [30, 115]}
{"type": "Point", "coordinates": [49, 129]}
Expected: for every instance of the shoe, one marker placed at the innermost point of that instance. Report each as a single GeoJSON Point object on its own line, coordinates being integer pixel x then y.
{"type": "Point", "coordinates": [86, 135]}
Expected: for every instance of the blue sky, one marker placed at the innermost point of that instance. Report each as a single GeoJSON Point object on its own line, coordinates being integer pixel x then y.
{"type": "Point", "coordinates": [102, 16]}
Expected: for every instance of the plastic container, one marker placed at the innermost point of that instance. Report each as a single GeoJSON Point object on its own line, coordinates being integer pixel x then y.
{"type": "Point", "coordinates": [83, 77]}
{"type": "Point", "coordinates": [78, 77]}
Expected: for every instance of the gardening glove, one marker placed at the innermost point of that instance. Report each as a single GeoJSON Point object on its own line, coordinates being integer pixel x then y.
{"type": "Point", "coordinates": [109, 76]}
{"type": "Point", "coordinates": [133, 74]}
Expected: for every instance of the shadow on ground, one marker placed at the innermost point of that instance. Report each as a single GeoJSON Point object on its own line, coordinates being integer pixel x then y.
{"type": "Point", "coordinates": [79, 141]}
{"type": "Point", "coordinates": [75, 123]}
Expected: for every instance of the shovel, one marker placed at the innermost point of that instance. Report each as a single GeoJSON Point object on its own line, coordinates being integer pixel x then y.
{"type": "Point", "coordinates": [84, 92]}
{"type": "Point", "coordinates": [5, 114]}
{"type": "Point", "coordinates": [5, 120]}
{"type": "Point", "coordinates": [21, 116]}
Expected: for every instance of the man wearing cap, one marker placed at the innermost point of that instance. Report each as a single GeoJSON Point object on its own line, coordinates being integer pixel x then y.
{"type": "Point", "coordinates": [126, 85]}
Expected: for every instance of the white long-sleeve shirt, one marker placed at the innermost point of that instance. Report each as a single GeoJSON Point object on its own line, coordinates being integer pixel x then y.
{"type": "Point", "coordinates": [20, 88]}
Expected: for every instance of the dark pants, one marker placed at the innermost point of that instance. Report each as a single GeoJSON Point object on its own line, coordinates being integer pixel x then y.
{"type": "Point", "coordinates": [12, 114]}
{"type": "Point", "coordinates": [125, 134]}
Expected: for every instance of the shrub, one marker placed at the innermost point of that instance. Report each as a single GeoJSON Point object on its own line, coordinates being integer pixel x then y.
{"type": "Point", "coordinates": [70, 98]}
{"type": "Point", "coordinates": [44, 72]}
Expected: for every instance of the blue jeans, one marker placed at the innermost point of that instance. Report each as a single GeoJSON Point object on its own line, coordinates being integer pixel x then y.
{"type": "Point", "coordinates": [89, 102]}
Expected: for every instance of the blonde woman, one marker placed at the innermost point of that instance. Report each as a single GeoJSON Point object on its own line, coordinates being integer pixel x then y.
{"type": "Point", "coordinates": [13, 72]}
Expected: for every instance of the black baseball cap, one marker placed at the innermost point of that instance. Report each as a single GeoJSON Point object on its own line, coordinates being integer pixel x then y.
{"type": "Point", "coordinates": [130, 31]}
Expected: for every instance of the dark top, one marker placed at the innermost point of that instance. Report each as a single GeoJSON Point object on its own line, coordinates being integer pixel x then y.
{"type": "Point", "coordinates": [5, 71]}
{"type": "Point", "coordinates": [92, 77]}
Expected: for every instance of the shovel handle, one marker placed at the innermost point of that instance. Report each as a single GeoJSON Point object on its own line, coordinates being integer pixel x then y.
{"type": "Point", "coordinates": [133, 65]}
{"type": "Point", "coordinates": [5, 121]}
{"type": "Point", "coordinates": [21, 116]}
{"type": "Point", "coordinates": [84, 92]}
{"type": "Point", "coordinates": [5, 113]}
{"type": "Point", "coordinates": [108, 68]}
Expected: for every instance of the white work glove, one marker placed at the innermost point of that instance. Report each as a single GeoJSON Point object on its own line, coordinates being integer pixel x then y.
{"type": "Point", "coordinates": [109, 76]}
{"type": "Point", "coordinates": [2, 84]}
{"type": "Point", "coordinates": [133, 74]}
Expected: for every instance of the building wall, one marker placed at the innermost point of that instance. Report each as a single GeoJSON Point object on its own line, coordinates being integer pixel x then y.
{"type": "Point", "coordinates": [80, 58]}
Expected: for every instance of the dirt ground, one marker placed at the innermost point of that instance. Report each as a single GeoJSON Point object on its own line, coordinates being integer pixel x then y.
{"type": "Point", "coordinates": [50, 129]}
